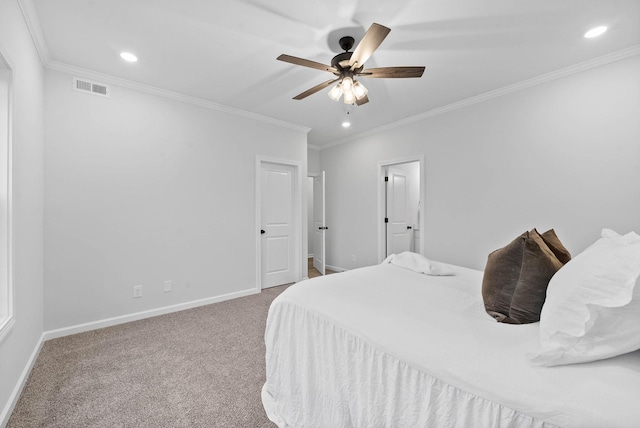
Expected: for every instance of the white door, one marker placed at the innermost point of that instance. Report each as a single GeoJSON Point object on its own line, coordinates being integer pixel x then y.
{"type": "Point", "coordinates": [319, 225]}
{"type": "Point", "coordinates": [276, 206]}
{"type": "Point", "coordinates": [398, 225]}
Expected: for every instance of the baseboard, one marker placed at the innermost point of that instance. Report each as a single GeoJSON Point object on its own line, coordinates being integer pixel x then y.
{"type": "Point", "coordinates": [80, 328]}
{"type": "Point", "coordinates": [336, 268]}
{"type": "Point", "coordinates": [22, 381]}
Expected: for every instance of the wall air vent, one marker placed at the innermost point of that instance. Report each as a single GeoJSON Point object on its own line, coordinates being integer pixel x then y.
{"type": "Point", "coordinates": [90, 87]}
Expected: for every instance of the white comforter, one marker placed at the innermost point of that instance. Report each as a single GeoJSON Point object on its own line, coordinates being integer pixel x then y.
{"type": "Point", "coordinates": [387, 347]}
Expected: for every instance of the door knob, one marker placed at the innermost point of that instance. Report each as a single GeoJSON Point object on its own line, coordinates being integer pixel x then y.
{"type": "Point", "coordinates": [262, 232]}
{"type": "Point", "coordinates": [409, 227]}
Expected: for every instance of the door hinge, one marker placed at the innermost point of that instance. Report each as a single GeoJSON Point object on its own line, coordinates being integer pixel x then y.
{"type": "Point", "coordinates": [386, 179]}
{"type": "Point", "coordinates": [386, 219]}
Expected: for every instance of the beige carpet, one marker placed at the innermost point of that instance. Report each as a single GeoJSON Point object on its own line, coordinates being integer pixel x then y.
{"type": "Point", "coordinates": [203, 367]}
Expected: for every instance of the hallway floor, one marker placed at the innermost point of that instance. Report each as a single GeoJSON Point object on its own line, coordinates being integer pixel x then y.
{"type": "Point", "coordinates": [313, 272]}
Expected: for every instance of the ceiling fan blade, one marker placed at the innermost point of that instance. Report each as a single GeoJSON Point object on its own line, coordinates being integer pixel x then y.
{"type": "Point", "coordinates": [392, 72]}
{"type": "Point", "coordinates": [362, 100]}
{"type": "Point", "coordinates": [369, 43]}
{"type": "Point", "coordinates": [315, 89]}
{"type": "Point", "coordinates": [306, 63]}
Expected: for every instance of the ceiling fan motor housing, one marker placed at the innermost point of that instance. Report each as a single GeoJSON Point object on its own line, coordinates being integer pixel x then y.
{"type": "Point", "coordinates": [344, 56]}
{"type": "Point", "coordinates": [346, 43]}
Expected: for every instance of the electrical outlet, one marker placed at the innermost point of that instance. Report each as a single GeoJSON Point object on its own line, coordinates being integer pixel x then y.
{"type": "Point", "coordinates": [137, 291]}
{"type": "Point", "coordinates": [168, 286]}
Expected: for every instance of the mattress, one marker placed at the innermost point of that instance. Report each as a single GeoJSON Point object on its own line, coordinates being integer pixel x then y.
{"type": "Point", "coordinates": [384, 346]}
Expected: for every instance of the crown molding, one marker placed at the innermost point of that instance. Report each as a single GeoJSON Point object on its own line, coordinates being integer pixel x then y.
{"type": "Point", "coordinates": [176, 96]}
{"type": "Point", "coordinates": [313, 146]}
{"type": "Point", "coordinates": [33, 25]}
{"type": "Point", "coordinates": [525, 84]}
{"type": "Point", "coordinates": [35, 30]}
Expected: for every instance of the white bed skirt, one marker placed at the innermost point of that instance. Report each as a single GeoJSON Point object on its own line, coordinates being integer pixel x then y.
{"type": "Point", "coordinates": [368, 389]}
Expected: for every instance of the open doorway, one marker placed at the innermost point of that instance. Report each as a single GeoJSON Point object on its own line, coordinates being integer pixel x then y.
{"type": "Point", "coordinates": [316, 251]}
{"type": "Point", "coordinates": [311, 232]}
{"type": "Point", "coordinates": [401, 194]}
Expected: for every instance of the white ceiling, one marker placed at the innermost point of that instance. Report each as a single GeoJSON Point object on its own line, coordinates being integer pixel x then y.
{"type": "Point", "coordinates": [225, 52]}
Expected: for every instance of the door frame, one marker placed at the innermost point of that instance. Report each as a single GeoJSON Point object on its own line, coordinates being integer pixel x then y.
{"type": "Point", "coordinates": [382, 201]}
{"type": "Point", "coordinates": [297, 213]}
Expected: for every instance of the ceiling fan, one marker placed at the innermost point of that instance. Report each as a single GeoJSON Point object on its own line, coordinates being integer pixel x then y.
{"type": "Point", "coordinates": [349, 65]}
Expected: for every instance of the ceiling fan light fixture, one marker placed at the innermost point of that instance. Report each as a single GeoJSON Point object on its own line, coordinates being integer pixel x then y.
{"type": "Point", "coordinates": [349, 65]}
{"type": "Point", "coordinates": [336, 92]}
{"type": "Point", "coordinates": [347, 84]}
{"type": "Point", "coordinates": [359, 90]}
{"type": "Point", "coordinates": [349, 97]}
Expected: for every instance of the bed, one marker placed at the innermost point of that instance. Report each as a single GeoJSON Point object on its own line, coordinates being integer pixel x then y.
{"type": "Point", "coordinates": [385, 346]}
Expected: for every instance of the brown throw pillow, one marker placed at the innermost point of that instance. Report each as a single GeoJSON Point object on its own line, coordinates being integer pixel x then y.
{"type": "Point", "coordinates": [553, 242]}
{"type": "Point", "coordinates": [516, 277]}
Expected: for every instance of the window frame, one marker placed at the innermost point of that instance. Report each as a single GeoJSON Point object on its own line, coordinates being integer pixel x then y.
{"type": "Point", "coordinates": [7, 319]}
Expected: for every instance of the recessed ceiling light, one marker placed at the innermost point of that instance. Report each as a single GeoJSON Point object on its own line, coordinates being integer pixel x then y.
{"type": "Point", "coordinates": [346, 124]}
{"type": "Point", "coordinates": [128, 56]}
{"type": "Point", "coordinates": [595, 32]}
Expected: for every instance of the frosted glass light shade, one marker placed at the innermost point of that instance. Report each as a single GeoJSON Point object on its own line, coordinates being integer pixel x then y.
{"type": "Point", "coordinates": [359, 90]}
{"type": "Point", "coordinates": [335, 92]}
{"type": "Point", "coordinates": [349, 97]}
{"type": "Point", "coordinates": [347, 84]}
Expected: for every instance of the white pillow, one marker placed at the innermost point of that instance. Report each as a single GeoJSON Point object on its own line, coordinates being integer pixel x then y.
{"type": "Point", "coordinates": [592, 308]}
{"type": "Point", "coordinates": [418, 263]}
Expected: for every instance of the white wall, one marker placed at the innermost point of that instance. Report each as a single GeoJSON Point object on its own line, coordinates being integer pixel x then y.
{"type": "Point", "coordinates": [19, 344]}
{"type": "Point", "coordinates": [564, 154]}
{"type": "Point", "coordinates": [142, 189]}
{"type": "Point", "coordinates": [313, 161]}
